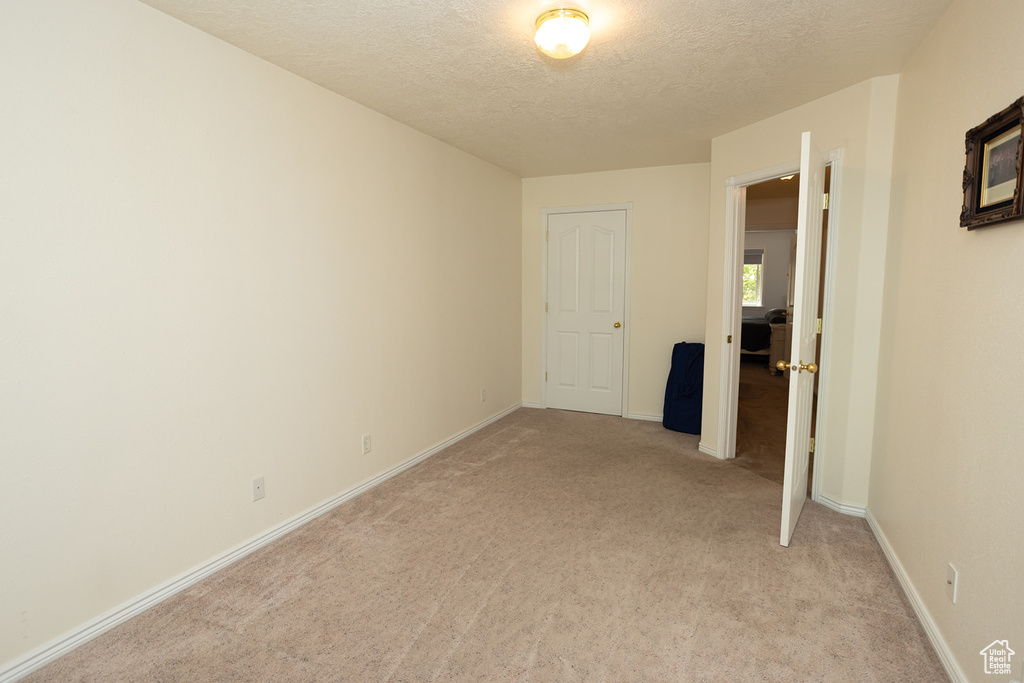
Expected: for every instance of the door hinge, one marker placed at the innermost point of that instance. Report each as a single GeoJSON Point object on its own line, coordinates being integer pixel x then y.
{"type": "Point", "coordinates": [825, 207]}
{"type": "Point", "coordinates": [728, 340]}
{"type": "Point", "coordinates": [545, 377]}
{"type": "Point", "coordinates": [818, 328]}
{"type": "Point", "coordinates": [547, 235]}
{"type": "Point", "coordinates": [812, 444]}
{"type": "Point", "coordinates": [545, 306]}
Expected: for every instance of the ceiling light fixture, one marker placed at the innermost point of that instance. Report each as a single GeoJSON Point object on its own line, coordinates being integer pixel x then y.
{"type": "Point", "coordinates": [787, 177]}
{"type": "Point", "coordinates": [562, 32]}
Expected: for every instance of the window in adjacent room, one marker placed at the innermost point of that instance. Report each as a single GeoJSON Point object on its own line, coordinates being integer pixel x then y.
{"type": "Point", "coordinates": [753, 276]}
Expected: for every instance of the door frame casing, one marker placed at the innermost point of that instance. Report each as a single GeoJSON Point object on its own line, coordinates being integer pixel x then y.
{"type": "Point", "coordinates": [728, 396]}
{"type": "Point", "coordinates": [628, 208]}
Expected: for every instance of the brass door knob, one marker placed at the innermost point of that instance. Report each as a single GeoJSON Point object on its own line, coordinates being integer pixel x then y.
{"type": "Point", "coordinates": [617, 325]}
{"type": "Point", "coordinates": [810, 367]}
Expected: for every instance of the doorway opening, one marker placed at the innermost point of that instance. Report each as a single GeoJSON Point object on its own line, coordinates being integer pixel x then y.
{"type": "Point", "coordinates": [733, 363]}
{"type": "Point", "coordinates": [766, 332]}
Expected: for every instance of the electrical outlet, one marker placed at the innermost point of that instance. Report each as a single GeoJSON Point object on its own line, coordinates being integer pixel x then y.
{"type": "Point", "coordinates": [366, 444]}
{"type": "Point", "coordinates": [258, 490]}
{"type": "Point", "coordinates": [483, 395]}
{"type": "Point", "coordinates": [952, 577]}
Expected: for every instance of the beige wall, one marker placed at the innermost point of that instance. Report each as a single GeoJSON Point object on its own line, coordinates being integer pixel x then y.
{"type": "Point", "coordinates": [947, 475]}
{"type": "Point", "coordinates": [776, 213]}
{"type": "Point", "coordinates": [859, 121]}
{"type": "Point", "coordinates": [212, 270]}
{"type": "Point", "coordinates": [669, 267]}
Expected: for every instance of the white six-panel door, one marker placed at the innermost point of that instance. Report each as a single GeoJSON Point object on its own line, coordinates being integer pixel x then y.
{"type": "Point", "coordinates": [586, 305]}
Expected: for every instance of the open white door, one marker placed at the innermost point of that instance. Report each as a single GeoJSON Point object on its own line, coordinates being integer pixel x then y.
{"type": "Point", "coordinates": [805, 318]}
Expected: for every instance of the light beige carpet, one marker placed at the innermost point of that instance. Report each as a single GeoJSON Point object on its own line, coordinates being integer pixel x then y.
{"type": "Point", "coordinates": [550, 546]}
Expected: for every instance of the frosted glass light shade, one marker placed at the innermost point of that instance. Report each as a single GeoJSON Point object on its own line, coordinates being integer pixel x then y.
{"type": "Point", "coordinates": [562, 33]}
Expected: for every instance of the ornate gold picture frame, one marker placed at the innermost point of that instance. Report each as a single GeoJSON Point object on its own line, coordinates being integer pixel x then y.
{"type": "Point", "coordinates": [992, 175]}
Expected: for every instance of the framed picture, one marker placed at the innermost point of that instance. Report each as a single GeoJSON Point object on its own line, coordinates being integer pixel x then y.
{"type": "Point", "coordinates": [992, 176]}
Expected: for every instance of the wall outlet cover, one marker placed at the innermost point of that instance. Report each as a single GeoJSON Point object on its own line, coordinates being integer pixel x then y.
{"type": "Point", "coordinates": [258, 489]}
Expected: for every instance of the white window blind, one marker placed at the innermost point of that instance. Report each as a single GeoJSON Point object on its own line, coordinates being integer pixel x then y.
{"type": "Point", "coordinates": [753, 257]}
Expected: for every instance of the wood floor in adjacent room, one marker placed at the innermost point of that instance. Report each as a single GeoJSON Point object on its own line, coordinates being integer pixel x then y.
{"type": "Point", "coordinates": [761, 419]}
{"type": "Point", "coordinates": [549, 546]}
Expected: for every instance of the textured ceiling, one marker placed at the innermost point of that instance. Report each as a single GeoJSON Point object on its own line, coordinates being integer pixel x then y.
{"type": "Point", "coordinates": [659, 79]}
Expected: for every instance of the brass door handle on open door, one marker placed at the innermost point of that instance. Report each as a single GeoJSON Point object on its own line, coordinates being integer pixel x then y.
{"type": "Point", "coordinates": [617, 325]}
{"type": "Point", "coordinates": [810, 367]}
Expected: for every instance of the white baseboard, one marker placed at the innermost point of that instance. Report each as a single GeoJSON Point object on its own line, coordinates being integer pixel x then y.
{"type": "Point", "coordinates": [630, 416]}
{"type": "Point", "coordinates": [707, 450]}
{"type": "Point", "coordinates": [845, 508]}
{"type": "Point", "coordinates": [52, 651]}
{"type": "Point", "coordinates": [646, 418]}
{"type": "Point", "coordinates": [927, 623]}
